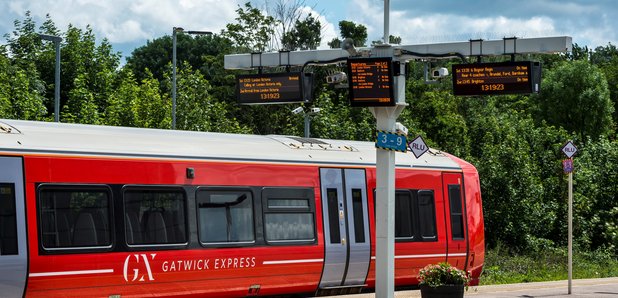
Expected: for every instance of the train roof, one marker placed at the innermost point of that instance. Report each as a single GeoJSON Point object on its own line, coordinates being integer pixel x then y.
{"type": "Point", "coordinates": [31, 137]}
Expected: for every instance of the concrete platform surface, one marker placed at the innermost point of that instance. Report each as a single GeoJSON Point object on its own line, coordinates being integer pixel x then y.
{"type": "Point", "coordinates": [599, 287]}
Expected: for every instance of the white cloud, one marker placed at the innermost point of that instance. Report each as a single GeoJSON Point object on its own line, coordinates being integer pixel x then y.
{"type": "Point", "coordinates": [123, 21]}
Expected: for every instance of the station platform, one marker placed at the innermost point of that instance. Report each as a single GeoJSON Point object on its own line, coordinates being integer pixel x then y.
{"type": "Point", "coordinates": [598, 287]}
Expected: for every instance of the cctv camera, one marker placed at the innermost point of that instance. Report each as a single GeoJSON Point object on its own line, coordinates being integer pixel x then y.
{"type": "Point", "coordinates": [336, 78]}
{"type": "Point", "coordinates": [348, 45]}
{"type": "Point", "coordinates": [315, 110]}
{"type": "Point", "coordinates": [439, 72]}
{"type": "Point", "coordinates": [297, 110]}
{"type": "Point", "coordinates": [400, 128]}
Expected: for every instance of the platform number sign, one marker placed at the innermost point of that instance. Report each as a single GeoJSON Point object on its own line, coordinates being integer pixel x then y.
{"type": "Point", "coordinates": [391, 141]}
{"type": "Point", "coordinates": [418, 146]}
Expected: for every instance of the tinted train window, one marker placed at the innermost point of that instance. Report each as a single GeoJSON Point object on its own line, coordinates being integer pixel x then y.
{"type": "Point", "coordinates": [154, 215]}
{"type": "Point", "coordinates": [427, 215]}
{"type": "Point", "coordinates": [289, 215]}
{"type": "Point", "coordinates": [404, 214]}
{"type": "Point", "coordinates": [357, 210]}
{"type": "Point", "coordinates": [225, 216]}
{"type": "Point", "coordinates": [74, 216]}
{"type": "Point", "coordinates": [8, 220]}
{"type": "Point", "coordinates": [333, 215]}
{"type": "Point", "coordinates": [454, 196]}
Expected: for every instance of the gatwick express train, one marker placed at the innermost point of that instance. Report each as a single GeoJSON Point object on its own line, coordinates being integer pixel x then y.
{"type": "Point", "coordinates": [128, 212]}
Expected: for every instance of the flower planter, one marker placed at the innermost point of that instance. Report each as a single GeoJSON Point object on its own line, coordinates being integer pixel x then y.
{"type": "Point", "coordinates": [443, 291]}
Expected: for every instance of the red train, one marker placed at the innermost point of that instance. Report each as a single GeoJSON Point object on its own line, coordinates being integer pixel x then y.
{"type": "Point", "coordinates": [124, 212]}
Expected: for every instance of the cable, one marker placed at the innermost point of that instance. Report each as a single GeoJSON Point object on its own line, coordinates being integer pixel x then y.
{"type": "Point", "coordinates": [421, 55]}
{"type": "Point", "coordinates": [302, 70]}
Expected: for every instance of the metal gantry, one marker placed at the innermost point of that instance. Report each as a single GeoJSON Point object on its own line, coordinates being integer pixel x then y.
{"type": "Point", "coordinates": [386, 116]}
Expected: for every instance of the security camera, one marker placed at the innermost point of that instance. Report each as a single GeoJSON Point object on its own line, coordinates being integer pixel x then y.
{"type": "Point", "coordinates": [400, 128]}
{"type": "Point", "coordinates": [337, 78]}
{"type": "Point", "coordinates": [348, 45]}
{"type": "Point", "coordinates": [315, 110]}
{"type": "Point", "coordinates": [298, 110]}
{"type": "Point", "coordinates": [439, 72]}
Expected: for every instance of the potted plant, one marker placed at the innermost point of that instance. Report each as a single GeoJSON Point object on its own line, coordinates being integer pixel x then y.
{"type": "Point", "coordinates": [442, 281]}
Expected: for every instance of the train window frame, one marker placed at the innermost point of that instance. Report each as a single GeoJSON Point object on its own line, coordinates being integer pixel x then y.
{"type": "Point", "coordinates": [252, 204]}
{"type": "Point", "coordinates": [68, 187]}
{"type": "Point", "coordinates": [455, 189]}
{"type": "Point", "coordinates": [430, 194]}
{"type": "Point", "coordinates": [155, 188]}
{"type": "Point", "coordinates": [289, 193]}
{"type": "Point", "coordinates": [9, 246]}
{"type": "Point", "coordinates": [415, 212]}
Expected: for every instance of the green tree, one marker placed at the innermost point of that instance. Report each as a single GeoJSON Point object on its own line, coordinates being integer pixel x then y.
{"type": "Point", "coordinates": [119, 109]}
{"type": "Point", "coordinates": [151, 109]}
{"type": "Point", "coordinates": [392, 39]}
{"type": "Point", "coordinates": [348, 29]}
{"type": "Point", "coordinates": [304, 36]}
{"type": "Point", "coordinates": [575, 96]}
{"type": "Point", "coordinates": [198, 110]}
{"type": "Point", "coordinates": [81, 106]}
{"type": "Point", "coordinates": [595, 206]}
{"type": "Point", "coordinates": [357, 32]}
{"type": "Point", "coordinates": [252, 31]}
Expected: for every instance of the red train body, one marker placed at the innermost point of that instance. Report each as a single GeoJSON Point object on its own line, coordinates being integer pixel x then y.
{"type": "Point", "coordinates": [121, 212]}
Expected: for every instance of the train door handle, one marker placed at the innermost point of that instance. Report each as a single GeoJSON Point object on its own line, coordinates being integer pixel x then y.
{"type": "Point", "coordinates": [342, 241]}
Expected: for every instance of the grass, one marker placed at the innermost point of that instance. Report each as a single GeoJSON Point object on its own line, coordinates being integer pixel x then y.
{"type": "Point", "coordinates": [503, 267]}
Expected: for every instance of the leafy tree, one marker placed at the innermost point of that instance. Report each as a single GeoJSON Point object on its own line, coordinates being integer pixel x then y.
{"type": "Point", "coordinates": [575, 96]}
{"type": "Point", "coordinates": [119, 110]}
{"type": "Point", "coordinates": [595, 189]}
{"type": "Point", "coordinates": [335, 43]}
{"type": "Point", "coordinates": [304, 36]}
{"type": "Point", "coordinates": [81, 106]}
{"type": "Point", "coordinates": [253, 31]}
{"type": "Point", "coordinates": [348, 29]}
{"type": "Point", "coordinates": [606, 58]}
{"type": "Point", "coordinates": [391, 40]}
{"type": "Point", "coordinates": [6, 108]}
{"type": "Point", "coordinates": [151, 109]}
{"type": "Point", "coordinates": [198, 110]}
{"type": "Point", "coordinates": [357, 32]}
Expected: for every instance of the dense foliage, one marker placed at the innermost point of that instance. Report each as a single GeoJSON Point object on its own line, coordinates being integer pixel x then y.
{"type": "Point", "coordinates": [514, 141]}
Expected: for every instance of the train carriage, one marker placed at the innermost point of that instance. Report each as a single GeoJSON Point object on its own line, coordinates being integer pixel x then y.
{"type": "Point", "coordinates": [128, 212]}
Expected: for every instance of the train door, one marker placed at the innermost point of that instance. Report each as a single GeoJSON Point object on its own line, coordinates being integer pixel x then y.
{"type": "Point", "coordinates": [13, 252]}
{"type": "Point", "coordinates": [346, 228]}
{"type": "Point", "coordinates": [454, 203]}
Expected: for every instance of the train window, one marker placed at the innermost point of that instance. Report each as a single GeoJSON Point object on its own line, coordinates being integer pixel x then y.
{"type": "Point", "coordinates": [8, 220]}
{"type": "Point", "coordinates": [454, 195]}
{"type": "Point", "coordinates": [154, 215]}
{"type": "Point", "coordinates": [74, 216]}
{"type": "Point", "coordinates": [225, 216]}
{"type": "Point", "coordinates": [289, 215]}
{"type": "Point", "coordinates": [404, 215]}
{"type": "Point", "coordinates": [427, 215]}
{"type": "Point", "coordinates": [333, 215]}
{"type": "Point", "coordinates": [357, 210]}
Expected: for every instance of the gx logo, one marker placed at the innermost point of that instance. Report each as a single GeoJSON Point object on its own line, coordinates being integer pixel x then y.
{"type": "Point", "coordinates": [139, 264]}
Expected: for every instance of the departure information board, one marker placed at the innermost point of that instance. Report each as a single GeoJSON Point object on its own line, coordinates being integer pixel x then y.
{"type": "Point", "coordinates": [496, 78]}
{"type": "Point", "coordinates": [370, 82]}
{"type": "Point", "coordinates": [269, 88]}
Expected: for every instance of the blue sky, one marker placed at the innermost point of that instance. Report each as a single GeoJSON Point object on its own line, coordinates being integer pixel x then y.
{"type": "Point", "coordinates": [129, 24]}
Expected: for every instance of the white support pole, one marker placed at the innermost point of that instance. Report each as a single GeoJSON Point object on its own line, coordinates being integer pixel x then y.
{"type": "Point", "coordinates": [570, 248]}
{"type": "Point", "coordinates": [386, 21]}
{"type": "Point", "coordinates": [385, 194]}
{"type": "Point", "coordinates": [385, 211]}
